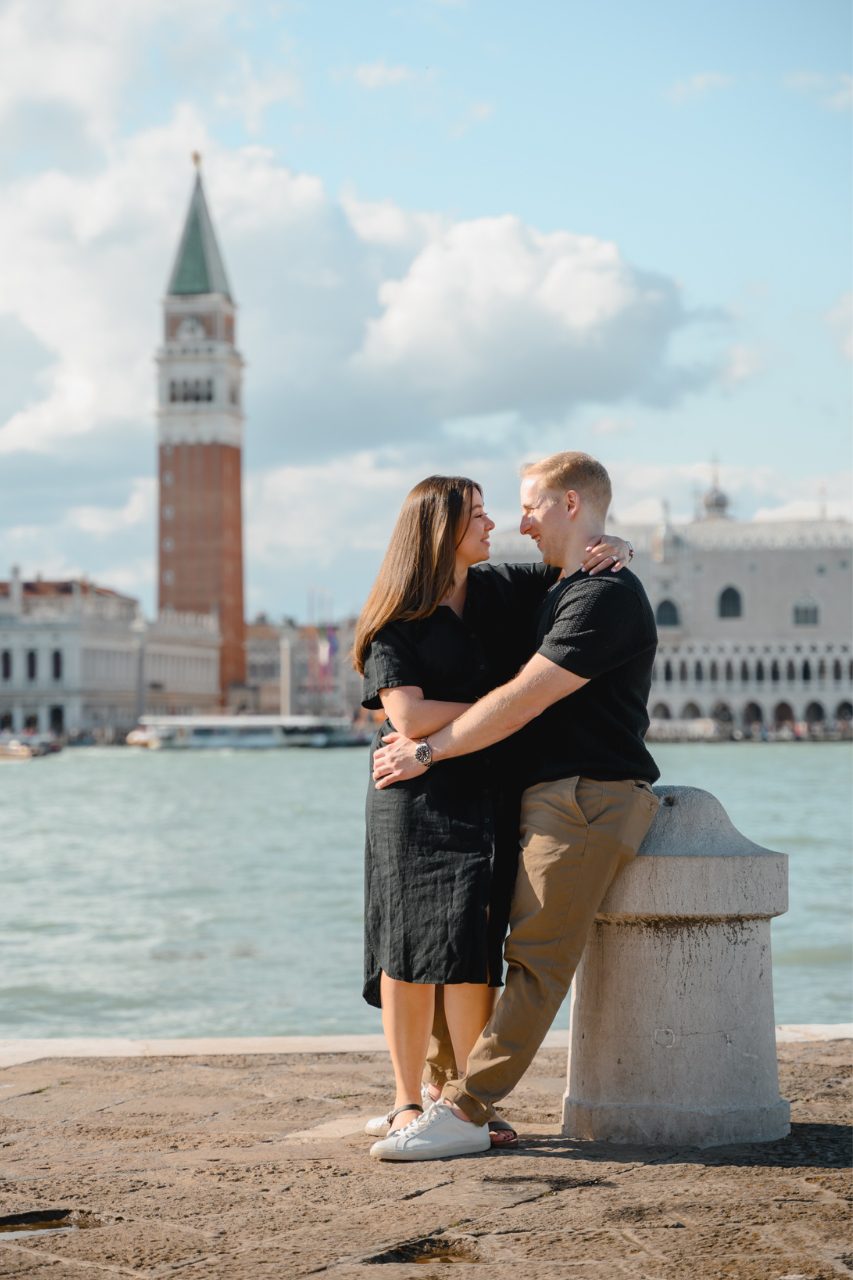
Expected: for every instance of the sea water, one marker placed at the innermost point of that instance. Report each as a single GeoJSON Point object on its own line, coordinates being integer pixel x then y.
{"type": "Point", "coordinates": [161, 894]}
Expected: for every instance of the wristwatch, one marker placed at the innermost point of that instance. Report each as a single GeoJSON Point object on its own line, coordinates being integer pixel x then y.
{"type": "Point", "coordinates": [630, 550]}
{"type": "Point", "coordinates": [423, 753]}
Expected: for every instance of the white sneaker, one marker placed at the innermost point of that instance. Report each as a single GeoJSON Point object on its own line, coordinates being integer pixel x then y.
{"type": "Point", "coordinates": [377, 1126]}
{"type": "Point", "coordinates": [435, 1135]}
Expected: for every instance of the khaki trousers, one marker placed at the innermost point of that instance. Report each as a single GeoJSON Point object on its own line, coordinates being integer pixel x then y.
{"type": "Point", "coordinates": [576, 836]}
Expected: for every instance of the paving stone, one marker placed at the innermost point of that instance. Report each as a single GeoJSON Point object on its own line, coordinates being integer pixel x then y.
{"type": "Point", "coordinates": [246, 1168]}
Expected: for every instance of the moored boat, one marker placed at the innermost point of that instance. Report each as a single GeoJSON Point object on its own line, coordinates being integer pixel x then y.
{"type": "Point", "coordinates": [245, 733]}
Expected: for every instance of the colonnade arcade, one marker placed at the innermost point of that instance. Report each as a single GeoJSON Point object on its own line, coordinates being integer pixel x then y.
{"type": "Point", "coordinates": [746, 685]}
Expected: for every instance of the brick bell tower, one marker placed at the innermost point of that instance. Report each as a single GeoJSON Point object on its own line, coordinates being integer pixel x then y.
{"type": "Point", "coordinates": [200, 435]}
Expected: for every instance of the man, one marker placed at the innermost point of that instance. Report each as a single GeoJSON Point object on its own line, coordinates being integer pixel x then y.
{"type": "Point", "coordinates": [588, 801]}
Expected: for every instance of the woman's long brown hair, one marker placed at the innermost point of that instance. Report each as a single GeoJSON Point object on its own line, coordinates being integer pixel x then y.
{"type": "Point", "coordinates": [417, 571]}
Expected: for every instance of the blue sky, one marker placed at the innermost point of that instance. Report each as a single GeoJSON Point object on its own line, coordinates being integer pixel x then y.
{"type": "Point", "coordinates": [460, 233]}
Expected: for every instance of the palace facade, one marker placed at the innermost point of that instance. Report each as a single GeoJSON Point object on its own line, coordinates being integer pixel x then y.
{"type": "Point", "coordinates": [77, 658]}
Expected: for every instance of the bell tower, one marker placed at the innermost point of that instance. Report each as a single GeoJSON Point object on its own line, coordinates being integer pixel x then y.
{"type": "Point", "coordinates": [200, 438]}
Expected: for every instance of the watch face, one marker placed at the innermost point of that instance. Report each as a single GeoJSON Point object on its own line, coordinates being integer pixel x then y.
{"type": "Point", "coordinates": [423, 755]}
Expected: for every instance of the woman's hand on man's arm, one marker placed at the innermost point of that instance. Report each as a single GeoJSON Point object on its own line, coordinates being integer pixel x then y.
{"type": "Point", "coordinates": [415, 716]}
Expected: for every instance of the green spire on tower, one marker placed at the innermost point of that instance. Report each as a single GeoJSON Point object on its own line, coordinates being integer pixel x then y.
{"type": "Point", "coordinates": [198, 266]}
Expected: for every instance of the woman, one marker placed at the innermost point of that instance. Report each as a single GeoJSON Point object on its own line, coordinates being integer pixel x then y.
{"type": "Point", "coordinates": [440, 849]}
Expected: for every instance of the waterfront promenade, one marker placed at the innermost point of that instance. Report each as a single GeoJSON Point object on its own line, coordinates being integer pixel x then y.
{"type": "Point", "coordinates": [248, 1166]}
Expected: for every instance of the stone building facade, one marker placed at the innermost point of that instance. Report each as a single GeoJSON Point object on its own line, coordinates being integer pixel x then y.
{"type": "Point", "coordinates": [754, 617]}
{"type": "Point", "coordinates": [302, 670]}
{"type": "Point", "coordinates": [76, 658]}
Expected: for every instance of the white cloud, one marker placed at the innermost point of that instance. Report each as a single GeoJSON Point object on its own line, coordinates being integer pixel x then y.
{"type": "Point", "coordinates": [834, 92]}
{"type": "Point", "coordinates": [379, 75]}
{"type": "Point", "coordinates": [755, 493]}
{"type": "Point", "coordinates": [478, 113]}
{"type": "Point", "coordinates": [356, 315]}
{"type": "Point", "coordinates": [282, 503]}
{"type": "Point", "coordinates": [840, 97]}
{"type": "Point", "coordinates": [699, 86]}
{"type": "Point", "coordinates": [609, 426]}
{"type": "Point", "coordinates": [254, 92]}
{"type": "Point", "coordinates": [830, 500]}
{"type": "Point", "coordinates": [77, 54]}
{"type": "Point", "coordinates": [840, 321]}
{"type": "Point", "coordinates": [381, 222]}
{"type": "Point", "coordinates": [105, 521]}
{"type": "Point", "coordinates": [494, 315]}
{"type": "Point", "coordinates": [742, 363]}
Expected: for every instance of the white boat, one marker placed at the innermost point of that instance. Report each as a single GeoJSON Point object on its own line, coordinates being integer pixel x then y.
{"type": "Point", "coordinates": [245, 733]}
{"type": "Point", "coordinates": [12, 749]}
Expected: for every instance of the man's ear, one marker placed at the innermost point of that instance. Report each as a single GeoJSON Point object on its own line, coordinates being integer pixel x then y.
{"type": "Point", "coordinates": [572, 502]}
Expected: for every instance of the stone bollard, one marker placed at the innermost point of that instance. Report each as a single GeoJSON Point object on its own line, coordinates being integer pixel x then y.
{"type": "Point", "coordinates": [672, 1036]}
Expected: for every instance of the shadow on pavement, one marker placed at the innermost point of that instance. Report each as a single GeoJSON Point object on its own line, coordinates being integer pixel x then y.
{"type": "Point", "coordinates": [808, 1146]}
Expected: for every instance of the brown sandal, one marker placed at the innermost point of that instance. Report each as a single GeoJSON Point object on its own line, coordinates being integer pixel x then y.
{"type": "Point", "coordinates": [502, 1133]}
{"type": "Point", "coordinates": [407, 1106]}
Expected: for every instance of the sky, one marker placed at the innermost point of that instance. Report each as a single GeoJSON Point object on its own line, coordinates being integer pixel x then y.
{"type": "Point", "coordinates": [461, 234]}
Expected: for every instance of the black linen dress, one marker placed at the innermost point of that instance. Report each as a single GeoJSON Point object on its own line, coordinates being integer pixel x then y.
{"type": "Point", "coordinates": [441, 849]}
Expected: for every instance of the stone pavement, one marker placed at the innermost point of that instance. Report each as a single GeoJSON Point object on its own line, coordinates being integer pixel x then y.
{"type": "Point", "coordinates": [254, 1167]}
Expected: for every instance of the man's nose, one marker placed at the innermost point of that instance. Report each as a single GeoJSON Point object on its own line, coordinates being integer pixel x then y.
{"type": "Point", "coordinates": [524, 523]}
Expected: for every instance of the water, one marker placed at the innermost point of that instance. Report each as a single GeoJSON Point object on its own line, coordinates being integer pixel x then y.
{"type": "Point", "coordinates": [169, 894]}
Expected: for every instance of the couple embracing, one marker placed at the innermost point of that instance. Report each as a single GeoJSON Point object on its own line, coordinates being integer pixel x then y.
{"type": "Point", "coordinates": [511, 784]}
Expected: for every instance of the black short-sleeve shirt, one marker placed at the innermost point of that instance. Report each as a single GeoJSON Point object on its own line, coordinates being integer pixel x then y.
{"type": "Point", "coordinates": [601, 628]}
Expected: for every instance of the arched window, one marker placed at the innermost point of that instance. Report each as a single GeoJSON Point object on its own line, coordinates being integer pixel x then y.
{"type": "Point", "coordinates": [197, 390]}
{"type": "Point", "coordinates": [815, 713]}
{"type": "Point", "coordinates": [821, 670]}
{"type": "Point", "coordinates": [173, 392]}
{"type": "Point", "coordinates": [837, 672]}
{"type": "Point", "coordinates": [844, 711]}
{"type": "Point", "coordinates": [715, 672]}
{"type": "Point", "coordinates": [744, 671]}
{"type": "Point", "coordinates": [807, 669]}
{"type": "Point", "coordinates": [752, 714]}
{"type": "Point", "coordinates": [759, 671]}
{"type": "Point", "coordinates": [56, 662]}
{"type": "Point", "coordinates": [790, 670]}
{"type": "Point", "coordinates": [661, 711]}
{"type": "Point", "coordinates": [805, 615]}
{"type": "Point", "coordinates": [682, 672]}
{"type": "Point", "coordinates": [32, 664]}
{"type": "Point", "coordinates": [667, 672]}
{"type": "Point", "coordinates": [6, 664]}
{"type": "Point", "coordinates": [666, 614]}
{"type": "Point", "coordinates": [697, 672]}
{"type": "Point", "coordinates": [691, 711]}
{"type": "Point", "coordinates": [774, 671]}
{"type": "Point", "coordinates": [208, 389]}
{"type": "Point", "coordinates": [783, 714]}
{"type": "Point", "coordinates": [729, 604]}
{"type": "Point", "coordinates": [185, 390]}
{"type": "Point", "coordinates": [730, 673]}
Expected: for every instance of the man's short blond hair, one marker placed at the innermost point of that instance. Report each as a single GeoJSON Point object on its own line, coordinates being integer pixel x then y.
{"type": "Point", "coordinates": [571, 470]}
